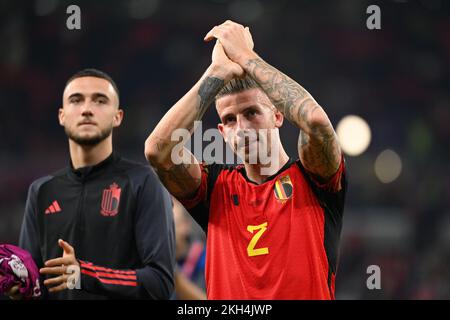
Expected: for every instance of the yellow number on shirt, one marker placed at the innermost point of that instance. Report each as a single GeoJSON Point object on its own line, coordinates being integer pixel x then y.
{"type": "Point", "coordinates": [251, 251]}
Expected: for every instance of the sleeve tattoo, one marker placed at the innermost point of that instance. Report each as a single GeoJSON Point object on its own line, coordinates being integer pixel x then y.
{"type": "Point", "coordinates": [180, 178]}
{"type": "Point", "coordinates": [317, 144]}
{"type": "Point", "coordinates": [207, 92]}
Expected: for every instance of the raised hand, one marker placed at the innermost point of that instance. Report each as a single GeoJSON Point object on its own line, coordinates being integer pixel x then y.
{"type": "Point", "coordinates": [236, 40]}
{"type": "Point", "coordinates": [223, 63]}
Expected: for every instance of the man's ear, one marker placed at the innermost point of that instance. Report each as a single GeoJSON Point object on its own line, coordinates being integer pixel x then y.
{"type": "Point", "coordinates": [222, 131]}
{"type": "Point", "coordinates": [61, 116]}
{"type": "Point", "coordinates": [118, 117]}
{"type": "Point", "coordinates": [279, 118]}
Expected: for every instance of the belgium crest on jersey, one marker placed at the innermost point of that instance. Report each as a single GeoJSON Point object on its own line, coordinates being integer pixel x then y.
{"type": "Point", "coordinates": [283, 188]}
{"type": "Point", "coordinates": [110, 201]}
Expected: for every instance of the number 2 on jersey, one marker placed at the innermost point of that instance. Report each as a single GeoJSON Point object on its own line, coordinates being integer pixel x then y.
{"type": "Point", "coordinates": [251, 251]}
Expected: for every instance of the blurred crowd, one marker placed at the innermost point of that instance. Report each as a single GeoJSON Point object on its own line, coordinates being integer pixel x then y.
{"type": "Point", "coordinates": [396, 78]}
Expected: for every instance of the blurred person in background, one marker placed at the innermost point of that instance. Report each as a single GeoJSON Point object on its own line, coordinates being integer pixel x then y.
{"type": "Point", "coordinates": [190, 255]}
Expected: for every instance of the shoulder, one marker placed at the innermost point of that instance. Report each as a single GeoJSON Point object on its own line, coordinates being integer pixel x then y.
{"type": "Point", "coordinates": [37, 184]}
{"type": "Point", "coordinates": [216, 168]}
{"type": "Point", "coordinates": [134, 169]}
{"type": "Point", "coordinates": [126, 164]}
{"type": "Point", "coordinates": [48, 181]}
{"type": "Point", "coordinates": [140, 175]}
{"type": "Point", "coordinates": [335, 184]}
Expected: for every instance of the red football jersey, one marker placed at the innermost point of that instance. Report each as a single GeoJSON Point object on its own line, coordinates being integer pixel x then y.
{"type": "Point", "coordinates": [276, 240]}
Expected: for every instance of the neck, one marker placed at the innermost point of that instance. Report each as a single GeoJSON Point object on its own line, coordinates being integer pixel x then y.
{"type": "Point", "coordinates": [258, 173]}
{"type": "Point", "coordinates": [84, 156]}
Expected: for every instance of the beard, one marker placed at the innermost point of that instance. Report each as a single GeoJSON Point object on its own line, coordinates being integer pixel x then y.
{"type": "Point", "coordinates": [88, 141]}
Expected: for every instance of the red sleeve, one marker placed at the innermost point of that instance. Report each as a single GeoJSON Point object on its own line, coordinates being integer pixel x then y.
{"type": "Point", "coordinates": [334, 183]}
{"type": "Point", "coordinates": [202, 191]}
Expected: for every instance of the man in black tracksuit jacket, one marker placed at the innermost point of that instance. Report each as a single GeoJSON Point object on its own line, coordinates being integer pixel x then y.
{"type": "Point", "coordinates": [122, 255]}
{"type": "Point", "coordinates": [114, 215]}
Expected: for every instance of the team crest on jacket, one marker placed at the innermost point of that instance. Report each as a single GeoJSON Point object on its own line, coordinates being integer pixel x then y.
{"type": "Point", "coordinates": [110, 201]}
{"type": "Point", "coordinates": [283, 188]}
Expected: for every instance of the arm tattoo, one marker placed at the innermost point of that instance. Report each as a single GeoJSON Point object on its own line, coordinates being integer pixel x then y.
{"type": "Point", "coordinates": [320, 152]}
{"type": "Point", "coordinates": [178, 180]}
{"type": "Point", "coordinates": [318, 146]}
{"type": "Point", "coordinates": [303, 139]}
{"type": "Point", "coordinates": [288, 96]}
{"type": "Point", "coordinates": [207, 92]}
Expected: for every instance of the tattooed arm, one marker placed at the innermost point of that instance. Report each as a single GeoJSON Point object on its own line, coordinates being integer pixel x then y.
{"type": "Point", "coordinates": [183, 180]}
{"type": "Point", "coordinates": [318, 147]}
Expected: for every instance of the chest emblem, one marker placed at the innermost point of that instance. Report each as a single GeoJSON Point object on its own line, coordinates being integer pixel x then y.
{"type": "Point", "coordinates": [110, 201]}
{"type": "Point", "coordinates": [283, 188]}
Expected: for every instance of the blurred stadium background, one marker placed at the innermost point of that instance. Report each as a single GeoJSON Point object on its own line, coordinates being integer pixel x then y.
{"type": "Point", "coordinates": [397, 79]}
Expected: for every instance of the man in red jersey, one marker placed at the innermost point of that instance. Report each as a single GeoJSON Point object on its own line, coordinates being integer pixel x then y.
{"type": "Point", "coordinates": [273, 228]}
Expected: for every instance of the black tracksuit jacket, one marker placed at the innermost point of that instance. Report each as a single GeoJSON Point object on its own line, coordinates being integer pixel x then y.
{"type": "Point", "coordinates": [117, 216]}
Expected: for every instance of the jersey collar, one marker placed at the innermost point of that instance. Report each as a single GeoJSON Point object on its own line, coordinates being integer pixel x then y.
{"type": "Point", "coordinates": [87, 172]}
{"type": "Point", "coordinates": [241, 169]}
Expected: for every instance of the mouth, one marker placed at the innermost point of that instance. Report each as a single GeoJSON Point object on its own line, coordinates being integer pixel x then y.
{"type": "Point", "coordinates": [87, 123]}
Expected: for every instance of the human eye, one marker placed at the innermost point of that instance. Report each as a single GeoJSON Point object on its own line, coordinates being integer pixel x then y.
{"type": "Point", "coordinates": [250, 113]}
{"type": "Point", "coordinates": [100, 101]}
{"type": "Point", "coordinates": [229, 119]}
{"type": "Point", "coordinates": [74, 100]}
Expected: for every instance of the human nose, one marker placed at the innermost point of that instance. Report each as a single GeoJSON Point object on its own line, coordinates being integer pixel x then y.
{"type": "Point", "coordinates": [241, 126]}
{"type": "Point", "coordinates": [86, 108]}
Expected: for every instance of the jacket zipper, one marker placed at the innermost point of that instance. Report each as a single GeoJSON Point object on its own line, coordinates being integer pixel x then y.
{"type": "Point", "coordinates": [79, 228]}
